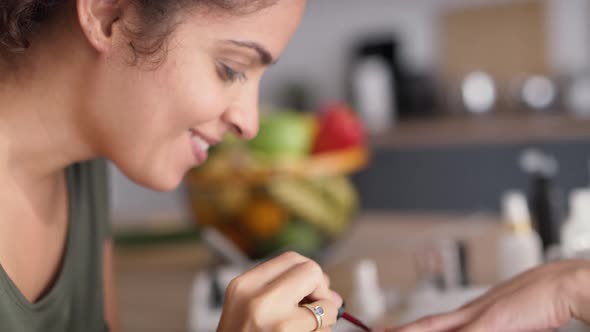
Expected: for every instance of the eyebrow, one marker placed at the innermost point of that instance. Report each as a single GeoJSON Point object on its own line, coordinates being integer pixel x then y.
{"type": "Point", "coordinates": [265, 57]}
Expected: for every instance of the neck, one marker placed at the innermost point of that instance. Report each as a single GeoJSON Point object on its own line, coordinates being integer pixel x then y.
{"type": "Point", "coordinates": [41, 107]}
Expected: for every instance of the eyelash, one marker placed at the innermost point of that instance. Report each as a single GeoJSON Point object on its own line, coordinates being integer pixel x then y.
{"type": "Point", "coordinates": [228, 74]}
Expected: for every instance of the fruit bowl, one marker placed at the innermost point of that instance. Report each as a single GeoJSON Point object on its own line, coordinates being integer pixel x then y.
{"type": "Point", "coordinates": [267, 208]}
{"type": "Point", "coordinates": [287, 189]}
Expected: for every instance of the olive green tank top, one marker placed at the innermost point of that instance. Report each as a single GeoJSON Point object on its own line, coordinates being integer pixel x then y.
{"type": "Point", "coordinates": [75, 301]}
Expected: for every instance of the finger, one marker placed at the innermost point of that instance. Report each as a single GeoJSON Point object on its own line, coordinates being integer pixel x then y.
{"type": "Point", "coordinates": [301, 281]}
{"type": "Point", "coordinates": [502, 290]}
{"type": "Point", "coordinates": [261, 275]}
{"type": "Point", "coordinates": [327, 280]}
{"type": "Point", "coordinates": [509, 286]}
{"type": "Point", "coordinates": [312, 298]}
{"type": "Point", "coordinates": [304, 319]}
{"type": "Point", "coordinates": [470, 311]}
{"type": "Point", "coordinates": [271, 269]}
{"type": "Point", "coordinates": [443, 322]}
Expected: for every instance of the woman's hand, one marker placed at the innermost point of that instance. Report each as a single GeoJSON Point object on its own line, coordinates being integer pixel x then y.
{"type": "Point", "coordinates": [267, 298]}
{"type": "Point", "coordinates": [542, 299]}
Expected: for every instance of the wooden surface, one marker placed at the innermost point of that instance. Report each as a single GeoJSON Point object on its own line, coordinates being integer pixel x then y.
{"type": "Point", "coordinates": [154, 283]}
{"type": "Point", "coordinates": [457, 131]}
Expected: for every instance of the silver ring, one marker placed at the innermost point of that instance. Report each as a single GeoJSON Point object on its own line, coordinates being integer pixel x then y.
{"type": "Point", "coordinates": [318, 312]}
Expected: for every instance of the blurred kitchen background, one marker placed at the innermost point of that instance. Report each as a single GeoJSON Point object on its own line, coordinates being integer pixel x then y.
{"type": "Point", "coordinates": [464, 100]}
{"type": "Point", "coordinates": [435, 154]}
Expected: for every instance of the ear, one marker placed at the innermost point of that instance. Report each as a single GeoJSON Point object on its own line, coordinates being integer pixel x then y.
{"type": "Point", "coordinates": [97, 20]}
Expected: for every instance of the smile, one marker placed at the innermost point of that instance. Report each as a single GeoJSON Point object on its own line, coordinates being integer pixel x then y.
{"type": "Point", "coordinates": [200, 147]}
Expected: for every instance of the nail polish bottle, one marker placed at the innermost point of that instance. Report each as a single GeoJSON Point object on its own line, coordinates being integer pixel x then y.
{"type": "Point", "coordinates": [575, 233]}
{"type": "Point", "coordinates": [519, 246]}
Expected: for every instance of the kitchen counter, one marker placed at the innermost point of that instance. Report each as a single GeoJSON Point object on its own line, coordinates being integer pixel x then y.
{"type": "Point", "coordinates": [154, 283]}
{"type": "Point", "coordinates": [491, 129]}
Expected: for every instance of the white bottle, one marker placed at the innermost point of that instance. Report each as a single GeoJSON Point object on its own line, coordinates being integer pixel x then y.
{"type": "Point", "coordinates": [519, 247]}
{"type": "Point", "coordinates": [575, 233]}
{"type": "Point", "coordinates": [375, 94]}
{"type": "Point", "coordinates": [367, 300]}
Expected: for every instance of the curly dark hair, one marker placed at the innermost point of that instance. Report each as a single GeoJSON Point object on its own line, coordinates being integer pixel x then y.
{"type": "Point", "coordinates": [21, 19]}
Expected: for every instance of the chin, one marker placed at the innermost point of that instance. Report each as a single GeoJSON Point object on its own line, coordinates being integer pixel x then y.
{"type": "Point", "coordinates": [163, 185]}
{"type": "Point", "coordinates": [163, 180]}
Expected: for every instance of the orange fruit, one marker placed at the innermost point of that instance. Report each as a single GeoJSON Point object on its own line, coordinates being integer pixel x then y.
{"type": "Point", "coordinates": [264, 218]}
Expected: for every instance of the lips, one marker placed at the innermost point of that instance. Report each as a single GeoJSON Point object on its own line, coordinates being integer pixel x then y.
{"type": "Point", "coordinates": [200, 147]}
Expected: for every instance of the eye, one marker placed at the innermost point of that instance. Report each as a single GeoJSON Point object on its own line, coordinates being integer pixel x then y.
{"type": "Point", "coordinates": [228, 74]}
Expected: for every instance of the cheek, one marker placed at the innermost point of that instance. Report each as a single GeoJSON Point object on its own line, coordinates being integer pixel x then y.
{"type": "Point", "coordinates": [195, 93]}
{"type": "Point", "coordinates": [143, 117]}
{"type": "Point", "coordinates": [161, 108]}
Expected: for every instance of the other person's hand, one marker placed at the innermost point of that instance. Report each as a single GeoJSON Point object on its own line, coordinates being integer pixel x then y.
{"type": "Point", "coordinates": [541, 299]}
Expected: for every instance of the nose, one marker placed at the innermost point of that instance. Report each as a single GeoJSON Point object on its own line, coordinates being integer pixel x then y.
{"type": "Point", "coordinates": [242, 115]}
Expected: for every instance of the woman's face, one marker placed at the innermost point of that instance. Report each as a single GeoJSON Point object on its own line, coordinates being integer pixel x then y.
{"type": "Point", "coordinates": [156, 124]}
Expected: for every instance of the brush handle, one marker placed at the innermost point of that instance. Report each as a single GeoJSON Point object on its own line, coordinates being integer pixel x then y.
{"type": "Point", "coordinates": [341, 310]}
{"type": "Point", "coordinates": [356, 322]}
{"type": "Point", "coordinates": [351, 319]}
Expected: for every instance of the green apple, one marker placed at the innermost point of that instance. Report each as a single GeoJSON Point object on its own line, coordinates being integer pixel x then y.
{"type": "Point", "coordinates": [284, 135]}
{"type": "Point", "coordinates": [299, 237]}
